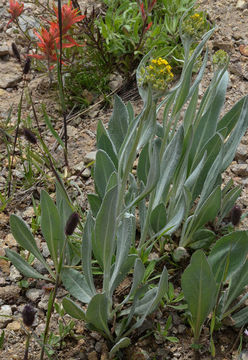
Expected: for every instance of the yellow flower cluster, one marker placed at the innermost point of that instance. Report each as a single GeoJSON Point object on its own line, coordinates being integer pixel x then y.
{"type": "Point", "coordinates": [195, 25]}
{"type": "Point", "coordinates": [158, 73]}
{"type": "Point", "coordinates": [220, 58]}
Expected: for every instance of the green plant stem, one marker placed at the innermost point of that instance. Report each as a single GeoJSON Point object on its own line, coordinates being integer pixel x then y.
{"type": "Point", "coordinates": [27, 346]}
{"type": "Point", "coordinates": [50, 308]}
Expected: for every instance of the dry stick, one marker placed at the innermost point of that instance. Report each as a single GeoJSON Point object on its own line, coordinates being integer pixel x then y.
{"type": "Point", "coordinates": [15, 141]}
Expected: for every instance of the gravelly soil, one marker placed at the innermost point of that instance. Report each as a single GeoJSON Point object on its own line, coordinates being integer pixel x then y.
{"type": "Point", "coordinates": [232, 31]}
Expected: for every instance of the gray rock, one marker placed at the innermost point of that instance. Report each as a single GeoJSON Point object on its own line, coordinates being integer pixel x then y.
{"type": "Point", "coordinates": [241, 4]}
{"type": "Point", "coordinates": [11, 74]}
{"type": "Point", "coordinates": [242, 152]}
{"type": "Point", "coordinates": [43, 304]}
{"type": "Point", "coordinates": [39, 267]}
{"type": "Point", "coordinates": [86, 173]}
{"type": "Point", "coordinates": [34, 294]}
{"type": "Point", "coordinates": [5, 313]}
{"type": "Point", "coordinates": [240, 169]}
{"type": "Point", "coordinates": [91, 156]}
{"type": "Point", "coordinates": [45, 250]}
{"type": "Point", "coordinates": [4, 50]}
{"type": "Point", "coordinates": [14, 275]}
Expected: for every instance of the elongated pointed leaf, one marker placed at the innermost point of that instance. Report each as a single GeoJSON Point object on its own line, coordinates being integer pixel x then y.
{"type": "Point", "coordinates": [104, 143]}
{"type": "Point", "coordinates": [95, 203]}
{"type": "Point", "coordinates": [241, 318]}
{"type": "Point", "coordinates": [76, 284]}
{"type": "Point", "coordinates": [236, 286]}
{"type": "Point", "coordinates": [168, 166]}
{"type": "Point", "coordinates": [73, 309]}
{"type": "Point", "coordinates": [122, 343]}
{"type": "Point", "coordinates": [233, 140]}
{"type": "Point", "coordinates": [143, 164]}
{"type": "Point", "coordinates": [24, 237]}
{"type": "Point", "coordinates": [199, 290]}
{"type": "Point", "coordinates": [105, 227]}
{"type": "Point", "coordinates": [125, 237]}
{"type": "Point", "coordinates": [232, 250]}
{"type": "Point", "coordinates": [87, 252]}
{"type": "Point", "coordinates": [118, 124]}
{"type": "Point", "coordinates": [51, 226]}
{"type": "Point", "coordinates": [23, 266]}
{"type": "Point", "coordinates": [158, 218]}
{"type": "Point", "coordinates": [97, 313]}
{"type": "Point", "coordinates": [104, 167]}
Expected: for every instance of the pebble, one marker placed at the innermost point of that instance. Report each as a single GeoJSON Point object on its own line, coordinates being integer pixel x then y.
{"type": "Point", "coordinates": [10, 241]}
{"type": "Point", "coordinates": [39, 267]}
{"type": "Point", "coordinates": [4, 50]}
{"type": "Point", "coordinates": [34, 294]}
{"type": "Point", "coordinates": [5, 312]}
{"type": "Point", "coordinates": [11, 74]}
{"type": "Point", "coordinates": [89, 157]}
{"type": "Point", "coordinates": [9, 293]}
{"type": "Point", "coordinates": [92, 356]}
{"type": "Point", "coordinates": [14, 326]}
{"type": "Point", "coordinates": [241, 4]}
{"type": "Point", "coordinates": [241, 153]}
{"type": "Point", "coordinates": [240, 169]}
{"type": "Point", "coordinates": [45, 250]}
{"type": "Point", "coordinates": [43, 304]}
{"type": "Point", "coordinates": [14, 275]}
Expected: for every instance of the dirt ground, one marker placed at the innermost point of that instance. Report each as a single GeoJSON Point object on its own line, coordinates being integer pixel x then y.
{"type": "Point", "coordinates": [230, 17]}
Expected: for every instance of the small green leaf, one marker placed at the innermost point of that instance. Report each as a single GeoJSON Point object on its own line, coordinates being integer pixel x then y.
{"type": "Point", "coordinates": [199, 290]}
{"type": "Point", "coordinates": [73, 309]}
{"type": "Point", "coordinates": [104, 167]}
{"type": "Point", "coordinates": [122, 343]}
{"type": "Point", "coordinates": [76, 284]}
{"type": "Point", "coordinates": [97, 313]}
{"type": "Point", "coordinates": [118, 123]}
{"type": "Point", "coordinates": [23, 266]}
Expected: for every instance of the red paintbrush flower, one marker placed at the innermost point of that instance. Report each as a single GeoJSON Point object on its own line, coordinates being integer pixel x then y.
{"type": "Point", "coordinates": [151, 5]}
{"type": "Point", "coordinates": [69, 16]}
{"type": "Point", "coordinates": [142, 10]}
{"type": "Point", "coordinates": [15, 9]}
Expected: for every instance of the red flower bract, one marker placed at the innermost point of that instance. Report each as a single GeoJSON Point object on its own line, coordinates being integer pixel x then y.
{"type": "Point", "coordinates": [69, 16]}
{"type": "Point", "coordinates": [15, 9]}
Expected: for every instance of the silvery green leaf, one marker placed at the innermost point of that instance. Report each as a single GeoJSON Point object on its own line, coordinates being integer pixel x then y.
{"type": "Point", "coordinates": [23, 266]}
{"type": "Point", "coordinates": [95, 203]}
{"type": "Point", "coordinates": [148, 124]}
{"type": "Point", "coordinates": [168, 166]}
{"type": "Point", "coordinates": [51, 226]}
{"type": "Point", "coordinates": [236, 285]}
{"type": "Point", "coordinates": [24, 237]}
{"type": "Point", "coordinates": [122, 273]}
{"type": "Point", "coordinates": [199, 290]}
{"type": "Point", "coordinates": [143, 164]}
{"type": "Point", "coordinates": [183, 90]}
{"type": "Point", "coordinates": [158, 218]}
{"type": "Point", "coordinates": [230, 119]}
{"type": "Point", "coordinates": [206, 213]}
{"type": "Point", "coordinates": [87, 252]}
{"type": "Point", "coordinates": [240, 319]}
{"type": "Point", "coordinates": [104, 167]}
{"type": "Point", "coordinates": [210, 180]}
{"type": "Point", "coordinates": [76, 284]}
{"type": "Point", "coordinates": [97, 313]}
{"type": "Point", "coordinates": [190, 112]}
{"type": "Point", "coordinates": [125, 237]}
{"type": "Point", "coordinates": [138, 274]}
{"type": "Point", "coordinates": [104, 143]}
{"type": "Point", "coordinates": [152, 179]}
{"type": "Point", "coordinates": [212, 150]}
{"type": "Point", "coordinates": [122, 343]}
{"type": "Point", "coordinates": [202, 239]}
{"type": "Point", "coordinates": [228, 201]}
{"type": "Point", "coordinates": [73, 309]}
{"type": "Point", "coordinates": [105, 232]}
{"type": "Point", "coordinates": [233, 140]}
{"type": "Point", "coordinates": [228, 255]}
{"type": "Point", "coordinates": [118, 123]}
